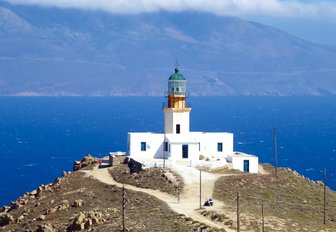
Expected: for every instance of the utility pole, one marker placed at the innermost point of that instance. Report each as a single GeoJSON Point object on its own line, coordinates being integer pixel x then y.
{"type": "Point", "coordinates": [123, 209]}
{"type": "Point", "coordinates": [324, 196]}
{"type": "Point", "coordinates": [238, 216]}
{"type": "Point", "coordinates": [200, 188]}
{"type": "Point", "coordinates": [275, 152]}
{"type": "Point", "coordinates": [262, 218]}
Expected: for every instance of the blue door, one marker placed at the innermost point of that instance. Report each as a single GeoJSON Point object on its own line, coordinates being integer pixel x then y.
{"type": "Point", "coordinates": [246, 166]}
{"type": "Point", "coordinates": [185, 151]}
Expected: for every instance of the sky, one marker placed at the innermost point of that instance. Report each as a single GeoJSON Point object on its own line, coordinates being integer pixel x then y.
{"type": "Point", "coordinates": [313, 20]}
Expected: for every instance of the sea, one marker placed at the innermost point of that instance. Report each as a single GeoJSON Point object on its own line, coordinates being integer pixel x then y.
{"type": "Point", "coordinates": [40, 137]}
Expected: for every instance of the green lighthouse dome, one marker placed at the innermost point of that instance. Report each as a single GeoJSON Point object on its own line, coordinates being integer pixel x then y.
{"type": "Point", "coordinates": [177, 76]}
{"type": "Point", "coordinates": [177, 84]}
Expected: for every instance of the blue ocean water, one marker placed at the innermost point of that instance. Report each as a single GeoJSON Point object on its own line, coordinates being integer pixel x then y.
{"type": "Point", "coordinates": [42, 136]}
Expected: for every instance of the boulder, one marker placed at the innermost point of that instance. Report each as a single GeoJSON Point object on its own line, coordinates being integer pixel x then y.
{"type": "Point", "coordinates": [40, 218]}
{"type": "Point", "coordinates": [76, 165]}
{"type": "Point", "coordinates": [45, 228]}
{"type": "Point", "coordinates": [51, 210]}
{"type": "Point", "coordinates": [33, 193]}
{"type": "Point", "coordinates": [20, 219]}
{"type": "Point", "coordinates": [88, 223]}
{"type": "Point", "coordinates": [78, 223]}
{"type": "Point", "coordinates": [64, 205]}
{"type": "Point", "coordinates": [6, 219]}
{"type": "Point", "coordinates": [86, 161]}
{"type": "Point", "coordinates": [78, 203]}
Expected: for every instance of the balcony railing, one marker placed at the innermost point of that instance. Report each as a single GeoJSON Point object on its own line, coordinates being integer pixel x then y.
{"type": "Point", "coordinates": [176, 93]}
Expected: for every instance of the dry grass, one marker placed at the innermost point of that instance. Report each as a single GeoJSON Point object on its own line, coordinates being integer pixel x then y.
{"type": "Point", "coordinates": [296, 200]}
{"type": "Point", "coordinates": [153, 178]}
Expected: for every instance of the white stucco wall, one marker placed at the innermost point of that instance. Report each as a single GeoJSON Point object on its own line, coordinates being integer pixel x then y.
{"type": "Point", "coordinates": [237, 161]}
{"type": "Point", "coordinates": [209, 142]}
{"type": "Point", "coordinates": [176, 151]}
{"type": "Point", "coordinates": [154, 145]}
{"type": "Point", "coordinates": [199, 143]}
{"type": "Point", "coordinates": [173, 117]}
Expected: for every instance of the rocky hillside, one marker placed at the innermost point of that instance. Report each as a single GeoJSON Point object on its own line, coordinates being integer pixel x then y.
{"type": "Point", "coordinates": [291, 202]}
{"type": "Point", "coordinates": [49, 51]}
{"type": "Point", "coordinates": [77, 202]}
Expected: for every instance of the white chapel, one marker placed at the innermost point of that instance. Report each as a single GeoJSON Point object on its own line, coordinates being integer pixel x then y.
{"type": "Point", "coordinates": [177, 142]}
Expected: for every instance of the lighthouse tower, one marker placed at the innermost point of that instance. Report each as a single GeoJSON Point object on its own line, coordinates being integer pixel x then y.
{"type": "Point", "coordinates": [176, 113]}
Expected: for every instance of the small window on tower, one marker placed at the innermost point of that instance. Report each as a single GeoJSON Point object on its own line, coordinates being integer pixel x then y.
{"type": "Point", "coordinates": [143, 146]}
{"type": "Point", "coordinates": [177, 89]}
{"type": "Point", "coordinates": [178, 128]}
{"type": "Point", "coordinates": [219, 147]}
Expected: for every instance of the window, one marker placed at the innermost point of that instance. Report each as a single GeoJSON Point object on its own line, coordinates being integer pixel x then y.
{"type": "Point", "coordinates": [165, 146]}
{"type": "Point", "coordinates": [178, 128]}
{"type": "Point", "coordinates": [219, 147]}
{"type": "Point", "coordinates": [143, 146]}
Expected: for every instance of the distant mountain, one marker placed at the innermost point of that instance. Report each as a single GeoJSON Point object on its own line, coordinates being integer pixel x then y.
{"type": "Point", "coordinates": [49, 51]}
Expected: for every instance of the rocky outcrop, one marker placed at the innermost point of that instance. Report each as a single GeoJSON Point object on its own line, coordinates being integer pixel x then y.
{"type": "Point", "coordinates": [45, 228]}
{"type": "Point", "coordinates": [86, 161]}
{"type": "Point", "coordinates": [78, 203]}
{"type": "Point", "coordinates": [84, 220]}
{"type": "Point", "coordinates": [6, 219]}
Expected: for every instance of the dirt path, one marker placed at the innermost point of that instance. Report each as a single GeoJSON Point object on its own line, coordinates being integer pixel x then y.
{"type": "Point", "coordinates": [189, 198]}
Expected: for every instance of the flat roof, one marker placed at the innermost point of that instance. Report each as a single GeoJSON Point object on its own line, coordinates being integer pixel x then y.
{"type": "Point", "coordinates": [242, 154]}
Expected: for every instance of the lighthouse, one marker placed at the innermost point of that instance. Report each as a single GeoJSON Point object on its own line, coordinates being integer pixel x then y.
{"type": "Point", "coordinates": [178, 143]}
{"type": "Point", "coordinates": [177, 111]}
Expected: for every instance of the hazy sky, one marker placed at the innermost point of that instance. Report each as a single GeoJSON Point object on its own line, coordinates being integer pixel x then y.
{"type": "Point", "coordinates": [314, 20]}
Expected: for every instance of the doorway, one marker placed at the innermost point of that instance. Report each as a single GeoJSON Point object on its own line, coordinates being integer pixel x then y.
{"type": "Point", "coordinates": [185, 151]}
{"type": "Point", "coordinates": [246, 166]}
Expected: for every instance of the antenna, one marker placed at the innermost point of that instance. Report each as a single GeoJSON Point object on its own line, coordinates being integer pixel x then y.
{"type": "Point", "coordinates": [176, 63]}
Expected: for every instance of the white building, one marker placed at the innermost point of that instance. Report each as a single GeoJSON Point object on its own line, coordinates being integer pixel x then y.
{"type": "Point", "coordinates": [179, 143]}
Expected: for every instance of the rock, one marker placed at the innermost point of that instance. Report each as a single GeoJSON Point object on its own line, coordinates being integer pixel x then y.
{"type": "Point", "coordinates": [45, 228]}
{"type": "Point", "coordinates": [22, 201]}
{"type": "Point", "coordinates": [64, 205]}
{"type": "Point", "coordinates": [80, 218]}
{"type": "Point", "coordinates": [65, 173]}
{"type": "Point", "coordinates": [76, 165]}
{"type": "Point", "coordinates": [78, 223]}
{"type": "Point", "coordinates": [95, 220]}
{"type": "Point", "coordinates": [15, 205]}
{"type": "Point", "coordinates": [20, 219]}
{"type": "Point", "coordinates": [78, 203]}
{"type": "Point", "coordinates": [41, 218]}
{"type": "Point", "coordinates": [33, 193]}
{"type": "Point", "coordinates": [37, 204]}
{"type": "Point", "coordinates": [4, 209]}
{"type": "Point", "coordinates": [88, 223]}
{"type": "Point", "coordinates": [51, 210]}
{"type": "Point", "coordinates": [86, 161]}
{"type": "Point", "coordinates": [6, 219]}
